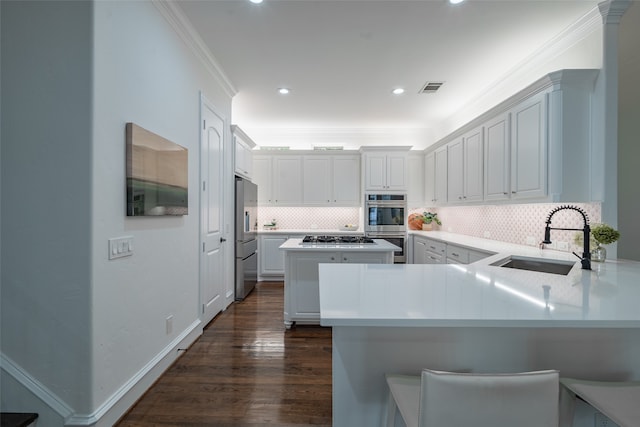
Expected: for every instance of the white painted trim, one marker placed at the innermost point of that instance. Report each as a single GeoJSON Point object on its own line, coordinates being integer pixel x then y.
{"type": "Point", "coordinates": [34, 386]}
{"type": "Point", "coordinates": [180, 23]}
{"type": "Point", "coordinates": [119, 402]}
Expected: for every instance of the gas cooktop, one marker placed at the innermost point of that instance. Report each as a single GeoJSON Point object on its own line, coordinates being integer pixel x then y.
{"type": "Point", "coordinates": [337, 239]}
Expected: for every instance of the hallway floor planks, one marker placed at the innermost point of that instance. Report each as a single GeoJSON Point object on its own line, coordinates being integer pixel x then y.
{"type": "Point", "coordinates": [245, 370]}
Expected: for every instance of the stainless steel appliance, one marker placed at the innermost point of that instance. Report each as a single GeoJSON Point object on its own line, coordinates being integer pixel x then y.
{"type": "Point", "coordinates": [385, 213]}
{"type": "Point", "coordinates": [246, 243]}
{"type": "Point", "coordinates": [385, 218]}
{"type": "Point", "coordinates": [359, 240]}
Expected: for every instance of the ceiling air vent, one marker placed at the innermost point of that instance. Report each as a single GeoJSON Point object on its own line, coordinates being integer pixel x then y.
{"type": "Point", "coordinates": [431, 87]}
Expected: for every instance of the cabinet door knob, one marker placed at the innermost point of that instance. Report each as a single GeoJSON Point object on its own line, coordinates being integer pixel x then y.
{"type": "Point", "coordinates": [333, 259]}
{"type": "Point", "coordinates": [222, 240]}
{"type": "Point", "coordinates": [505, 193]}
{"type": "Point", "coordinates": [513, 192]}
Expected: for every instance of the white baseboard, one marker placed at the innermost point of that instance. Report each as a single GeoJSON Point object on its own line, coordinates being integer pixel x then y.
{"type": "Point", "coordinates": [120, 401]}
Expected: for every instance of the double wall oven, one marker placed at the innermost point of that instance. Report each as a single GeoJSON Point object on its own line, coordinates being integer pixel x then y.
{"type": "Point", "coordinates": [385, 218]}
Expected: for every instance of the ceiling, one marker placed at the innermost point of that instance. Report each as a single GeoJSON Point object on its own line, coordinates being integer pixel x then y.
{"type": "Point", "coordinates": [342, 58]}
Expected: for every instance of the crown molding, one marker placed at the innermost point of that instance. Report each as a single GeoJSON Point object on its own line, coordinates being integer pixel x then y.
{"type": "Point", "coordinates": [171, 11]}
{"type": "Point", "coordinates": [612, 10]}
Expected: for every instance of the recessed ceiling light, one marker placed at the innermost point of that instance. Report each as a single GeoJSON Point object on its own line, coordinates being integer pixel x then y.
{"type": "Point", "coordinates": [455, 1]}
{"type": "Point", "coordinates": [398, 91]}
{"type": "Point", "coordinates": [283, 91]}
{"type": "Point", "coordinates": [256, 1]}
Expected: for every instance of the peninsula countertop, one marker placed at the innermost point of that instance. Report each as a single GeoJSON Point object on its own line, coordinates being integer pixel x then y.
{"type": "Point", "coordinates": [479, 295]}
{"type": "Point", "coordinates": [379, 245]}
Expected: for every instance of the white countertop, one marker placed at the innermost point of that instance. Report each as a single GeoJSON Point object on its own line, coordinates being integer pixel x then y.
{"type": "Point", "coordinates": [379, 245]}
{"type": "Point", "coordinates": [479, 295]}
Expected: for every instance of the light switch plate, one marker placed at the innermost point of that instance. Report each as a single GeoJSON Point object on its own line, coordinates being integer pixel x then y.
{"type": "Point", "coordinates": [120, 247]}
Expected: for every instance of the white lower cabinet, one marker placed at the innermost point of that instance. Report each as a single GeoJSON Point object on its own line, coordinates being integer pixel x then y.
{"type": "Point", "coordinates": [430, 251]}
{"type": "Point", "coordinates": [270, 257]}
{"type": "Point", "coordinates": [301, 287]}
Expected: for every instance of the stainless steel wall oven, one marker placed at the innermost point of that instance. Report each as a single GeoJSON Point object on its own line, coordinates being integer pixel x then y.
{"type": "Point", "coordinates": [385, 217]}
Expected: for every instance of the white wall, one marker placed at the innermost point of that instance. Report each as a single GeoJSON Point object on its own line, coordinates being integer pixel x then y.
{"type": "Point", "coordinates": [579, 47]}
{"type": "Point", "coordinates": [145, 74]}
{"type": "Point", "coordinates": [84, 327]}
{"type": "Point", "coordinates": [628, 131]}
{"type": "Point", "coordinates": [46, 188]}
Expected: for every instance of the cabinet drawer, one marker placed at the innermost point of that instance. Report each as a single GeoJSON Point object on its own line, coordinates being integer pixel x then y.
{"type": "Point", "coordinates": [458, 254]}
{"type": "Point", "coordinates": [433, 258]}
{"type": "Point", "coordinates": [435, 246]}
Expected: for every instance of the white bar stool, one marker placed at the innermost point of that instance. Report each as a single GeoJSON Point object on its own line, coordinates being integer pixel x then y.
{"type": "Point", "coordinates": [619, 401]}
{"type": "Point", "coordinates": [448, 399]}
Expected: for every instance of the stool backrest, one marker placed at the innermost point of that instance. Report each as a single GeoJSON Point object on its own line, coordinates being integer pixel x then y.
{"type": "Point", "coordinates": [529, 399]}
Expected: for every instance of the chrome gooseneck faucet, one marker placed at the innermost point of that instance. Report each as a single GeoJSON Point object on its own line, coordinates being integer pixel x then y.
{"type": "Point", "coordinates": [585, 259]}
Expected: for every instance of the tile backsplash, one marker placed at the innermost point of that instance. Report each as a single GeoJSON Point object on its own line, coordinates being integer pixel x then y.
{"type": "Point", "coordinates": [309, 217]}
{"type": "Point", "coordinates": [514, 223]}
{"type": "Point", "coordinates": [521, 224]}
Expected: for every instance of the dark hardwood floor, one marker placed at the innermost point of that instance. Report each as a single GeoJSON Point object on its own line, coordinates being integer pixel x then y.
{"type": "Point", "coordinates": [245, 370]}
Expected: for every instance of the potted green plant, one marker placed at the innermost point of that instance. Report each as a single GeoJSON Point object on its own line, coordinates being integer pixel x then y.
{"type": "Point", "coordinates": [603, 234]}
{"type": "Point", "coordinates": [428, 218]}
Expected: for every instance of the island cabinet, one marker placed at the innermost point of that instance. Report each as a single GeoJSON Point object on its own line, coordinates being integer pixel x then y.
{"type": "Point", "coordinates": [385, 168]}
{"type": "Point", "coordinates": [302, 293]}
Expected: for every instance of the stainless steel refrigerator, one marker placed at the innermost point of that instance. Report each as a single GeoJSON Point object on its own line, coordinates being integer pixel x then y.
{"type": "Point", "coordinates": [246, 244]}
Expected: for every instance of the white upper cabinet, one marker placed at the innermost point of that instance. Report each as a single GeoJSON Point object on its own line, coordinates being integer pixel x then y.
{"type": "Point", "coordinates": [497, 164]}
{"type": "Point", "coordinates": [465, 165]}
{"type": "Point", "coordinates": [262, 177]}
{"type": "Point", "coordinates": [305, 178]}
{"type": "Point", "coordinates": [435, 177]}
{"type": "Point", "coordinates": [243, 161]}
{"type": "Point", "coordinates": [455, 172]}
{"type": "Point", "coordinates": [416, 179]}
{"type": "Point", "coordinates": [534, 147]}
{"type": "Point", "coordinates": [287, 180]}
{"type": "Point", "coordinates": [529, 148]}
{"type": "Point", "coordinates": [346, 180]}
{"type": "Point", "coordinates": [317, 188]}
{"type": "Point", "coordinates": [385, 170]}
{"type": "Point", "coordinates": [430, 178]}
{"type": "Point", "coordinates": [279, 179]}
{"type": "Point", "coordinates": [473, 166]}
{"type": "Point", "coordinates": [331, 180]}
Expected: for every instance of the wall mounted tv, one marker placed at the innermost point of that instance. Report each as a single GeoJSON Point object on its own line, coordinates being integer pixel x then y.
{"type": "Point", "coordinates": [157, 174]}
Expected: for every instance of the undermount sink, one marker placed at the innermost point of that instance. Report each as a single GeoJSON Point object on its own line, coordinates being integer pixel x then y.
{"type": "Point", "coordinates": [536, 264]}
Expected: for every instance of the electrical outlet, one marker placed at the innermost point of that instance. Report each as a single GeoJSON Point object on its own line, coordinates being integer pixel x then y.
{"type": "Point", "coordinates": [562, 246]}
{"type": "Point", "coordinates": [487, 234]}
{"type": "Point", "coordinates": [169, 324]}
{"type": "Point", "coordinates": [530, 240]}
{"type": "Point", "coordinates": [600, 420]}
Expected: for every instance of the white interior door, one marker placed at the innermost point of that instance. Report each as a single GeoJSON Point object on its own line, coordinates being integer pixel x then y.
{"type": "Point", "coordinates": [211, 202]}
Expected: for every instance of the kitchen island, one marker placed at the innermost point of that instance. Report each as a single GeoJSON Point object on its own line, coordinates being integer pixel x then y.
{"type": "Point", "coordinates": [301, 292]}
{"type": "Point", "coordinates": [478, 317]}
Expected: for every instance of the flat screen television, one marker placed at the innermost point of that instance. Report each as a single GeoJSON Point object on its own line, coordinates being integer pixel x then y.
{"type": "Point", "coordinates": [157, 174]}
